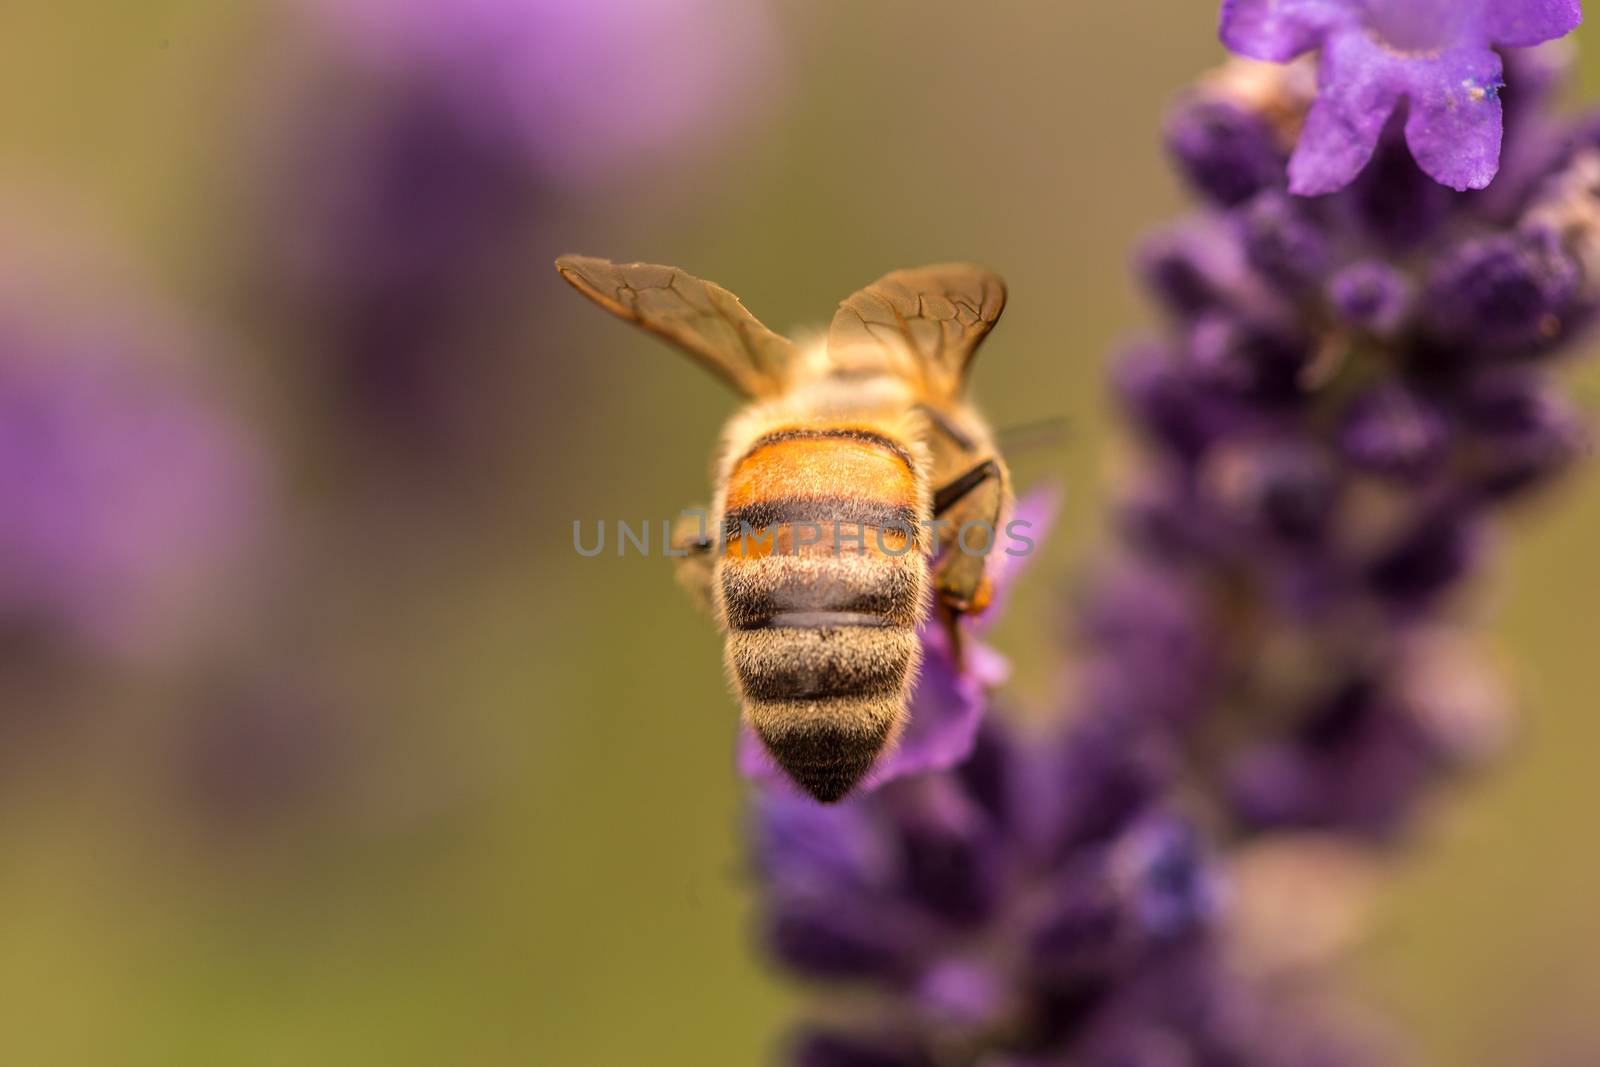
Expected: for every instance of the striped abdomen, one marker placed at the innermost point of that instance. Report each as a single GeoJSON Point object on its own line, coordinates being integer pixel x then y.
{"type": "Point", "coordinates": [821, 587]}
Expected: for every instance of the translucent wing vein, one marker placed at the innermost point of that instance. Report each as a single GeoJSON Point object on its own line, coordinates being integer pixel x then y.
{"type": "Point", "coordinates": [700, 317]}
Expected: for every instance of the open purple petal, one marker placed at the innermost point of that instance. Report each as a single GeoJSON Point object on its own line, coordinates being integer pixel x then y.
{"type": "Point", "coordinates": [1454, 128]}
{"type": "Point", "coordinates": [946, 709]}
{"type": "Point", "coordinates": [1360, 83]}
{"type": "Point", "coordinates": [1525, 23]}
{"type": "Point", "coordinates": [1277, 30]}
{"type": "Point", "coordinates": [1438, 54]}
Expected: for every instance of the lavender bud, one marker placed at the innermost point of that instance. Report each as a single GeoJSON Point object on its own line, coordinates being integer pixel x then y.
{"type": "Point", "coordinates": [1227, 154]}
{"type": "Point", "coordinates": [1502, 291]}
{"type": "Point", "coordinates": [964, 993]}
{"type": "Point", "coordinates": [1393, 202]}
{"type": "Point", "coordinates": [947, 868]}
{"type": "Point", "coordinates": [1370, 762]}
{"type": "Point", "coordinates": [993, 776]}
{"type": "Point", "coordinates": [823, 940]}
{"type": "Point", "coordinates": [1146, 629]}
{"type": "Point", "coordinates": [1283, 242]}
{"type": "Point", "coordinates": [1165, 878]}
{"type": "Point", "coordinates": [1426, 559]}
{"type": "Point", "coordinates": [1159, 520]}
{"type": "Point", "coordinates": [1371, 295]}
{"type": "Point", "coordinates": [1393, 431]}
{"type": "Point", "coordinates": [1078, 938]}
{"type": "Point", "coordinates": [1165, 404]}
{"type": "Point", "coordinates": [1523, 433]}
{"type": "Point", "coordinates": [1252, 361]}
{"type": "Point", "coordinates": [1362, 778]}
{"type": "Point", "coordinates": [1186, 271]}
{"type": "Point", "coordinates": [1284, 488]}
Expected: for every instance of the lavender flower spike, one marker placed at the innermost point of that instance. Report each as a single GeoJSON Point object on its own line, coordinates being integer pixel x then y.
{"type": "Point", "coordinates": [1437, 54]}
{"type": "Point", "coordinates": [1269, 679]}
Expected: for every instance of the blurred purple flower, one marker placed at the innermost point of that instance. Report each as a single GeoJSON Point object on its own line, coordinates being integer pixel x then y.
{"type": "Point", "coordinates": [427, 146]}
{"type": "Point", "coordinates": [1438, 55]}
{"type": "Point", "coordinates": [127, 482]}
{"type": "Point", "coordinates": [395, 224]}
{"type": "Point", "coordinates": [1371, 295]}
{"type": "Point", "coordinates": [583, 88]}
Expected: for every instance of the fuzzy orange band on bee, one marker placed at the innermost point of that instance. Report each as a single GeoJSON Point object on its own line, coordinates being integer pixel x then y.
{"type": "Point", "coordinates": [842, 461]}
{"type": "Point", "coordinates": [823, 491]}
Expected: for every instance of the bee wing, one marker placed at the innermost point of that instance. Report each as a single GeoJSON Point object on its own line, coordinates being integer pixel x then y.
{"type": "Point", "coordinates": [936, 316]}
{"type": "Point", "coordinates": [703, 319]}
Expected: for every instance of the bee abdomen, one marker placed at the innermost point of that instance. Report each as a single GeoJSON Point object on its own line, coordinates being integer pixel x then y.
{"type": "Point", "coordinates": [821, 586]}
{"type": "Point", "coordinates": [827, 700]}
{"type": "Point", "coordinates": [823, 650]}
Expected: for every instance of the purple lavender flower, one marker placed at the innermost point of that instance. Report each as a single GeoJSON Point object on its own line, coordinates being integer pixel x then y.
{"type": "Point", "coordinates": [127, 482]}
{"type": "Point", "coordinates": [1347, 394]}
{"type": "Point", "coordinates": [1043, 904]}
{"type": "Point", "coordinates": [925, 890]}
{"type": "Point", "coordinates": [1438, 56]}
{"type": "Point", "coordinates": [1340, 408]}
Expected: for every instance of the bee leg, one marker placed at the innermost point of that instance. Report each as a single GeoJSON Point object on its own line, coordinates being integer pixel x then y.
{"type": "Point", "coordinates": [949, 620]}
{"type": "Point", "coordinates": [970, 507]}
{"type": "Point", "coordinates": [691, 547]}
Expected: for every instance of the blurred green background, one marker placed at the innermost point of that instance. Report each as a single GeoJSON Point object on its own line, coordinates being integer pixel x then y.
{"type": "Point", "coordinates": [518, 840]}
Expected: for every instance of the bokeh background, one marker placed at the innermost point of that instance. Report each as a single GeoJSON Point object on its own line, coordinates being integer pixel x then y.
{"type": "Point", "coordinates": [319, 744]}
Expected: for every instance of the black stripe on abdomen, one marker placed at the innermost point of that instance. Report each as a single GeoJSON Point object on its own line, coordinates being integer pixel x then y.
{"type": "Point", "coordinates": [776, 592]}
{"type": "Point", "coordinates": [829, 678]}
{"type": "Point", "coordinates": [827, 512]}
{"type": "Point", "coordinates": [823, 663]}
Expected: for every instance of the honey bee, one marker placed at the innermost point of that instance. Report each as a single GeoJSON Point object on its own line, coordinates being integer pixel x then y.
{"type": "Point", "coordinates": [856, 492]}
